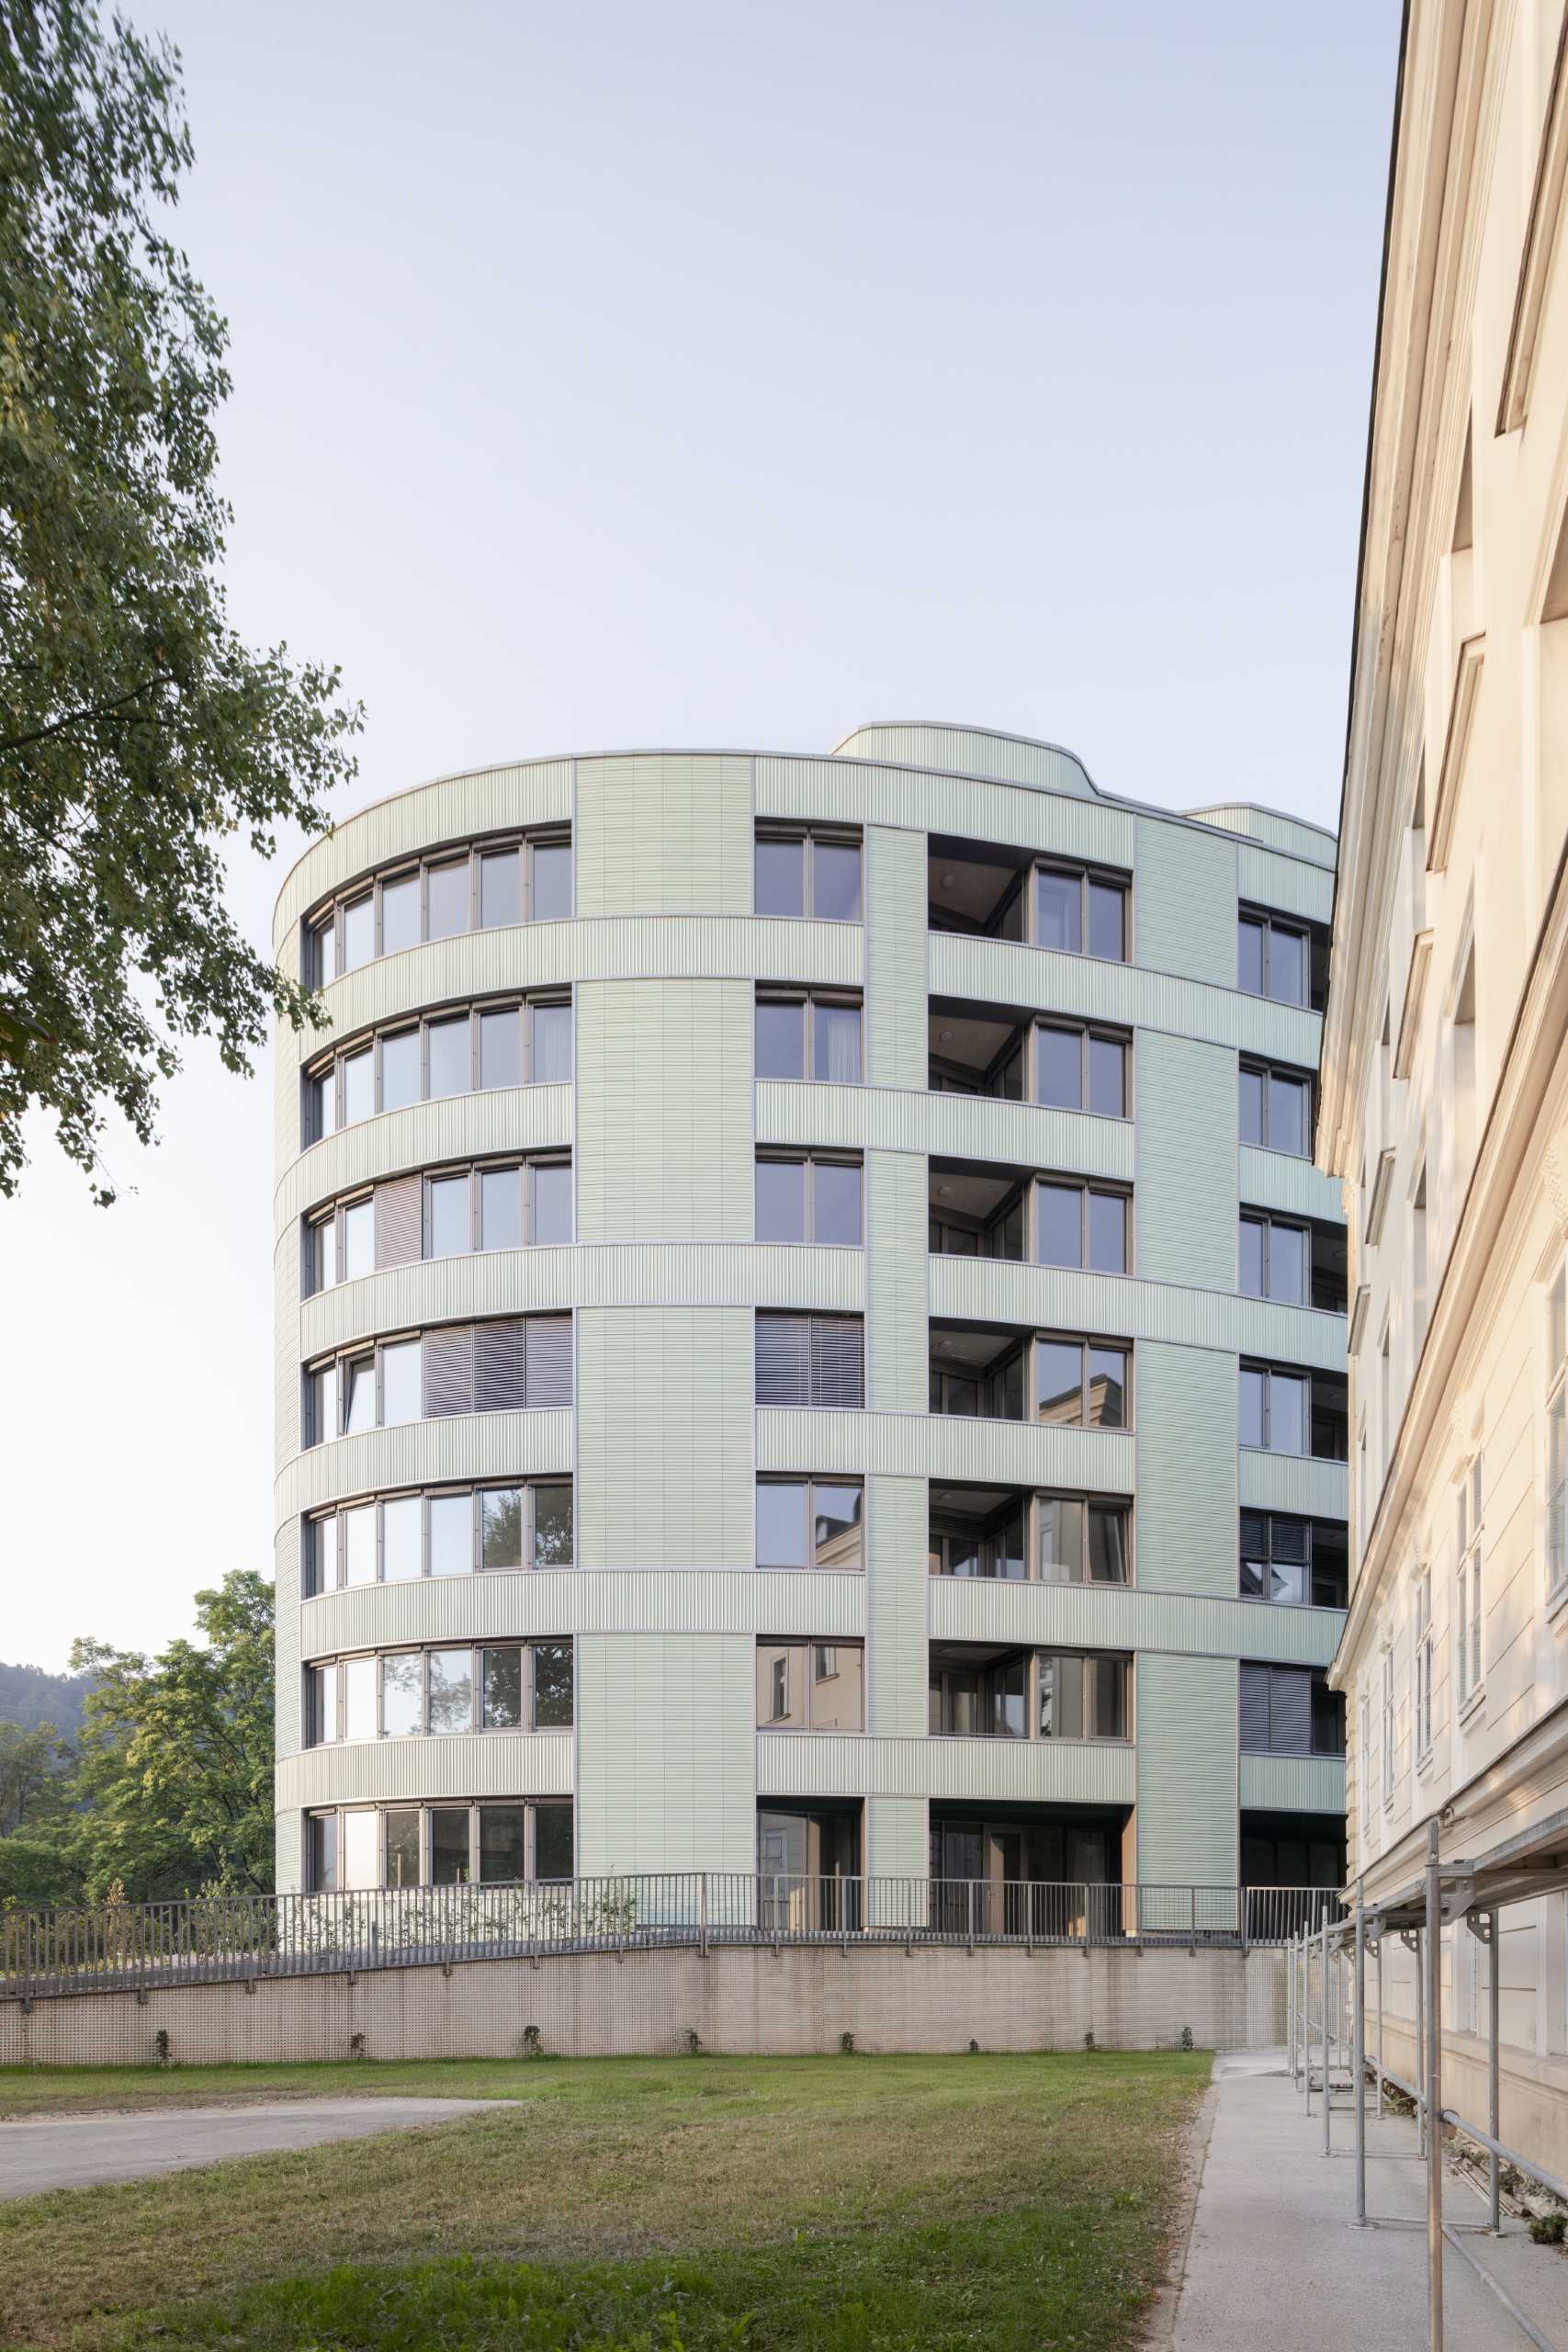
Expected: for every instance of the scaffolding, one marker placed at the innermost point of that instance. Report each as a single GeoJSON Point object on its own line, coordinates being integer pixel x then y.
{"type": "Point", "coordinates": [1334, 2023]}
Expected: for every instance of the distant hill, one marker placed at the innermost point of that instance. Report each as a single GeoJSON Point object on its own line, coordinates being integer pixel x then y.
{"type": "Point", "coordinates": [29, 1696]}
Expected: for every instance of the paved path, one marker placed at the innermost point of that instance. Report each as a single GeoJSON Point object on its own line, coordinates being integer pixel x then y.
{"type": "Point", "coordinates": [79, 2151]}
{"type": "Point", "coordinates": [1273, 2260]}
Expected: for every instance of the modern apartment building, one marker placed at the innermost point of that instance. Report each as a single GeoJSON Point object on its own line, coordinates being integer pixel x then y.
{"type": "Point", "coordinates": [1445, 1089]}
{"type": "Point", "coordinates": [809, 1334]}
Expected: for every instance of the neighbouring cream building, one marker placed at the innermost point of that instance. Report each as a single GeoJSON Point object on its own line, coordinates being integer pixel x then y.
{"type": "Point", "coordinates": [1445, 1085]}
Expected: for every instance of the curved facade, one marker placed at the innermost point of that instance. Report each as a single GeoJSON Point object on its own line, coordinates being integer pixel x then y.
{"type": "Point", "coordinates": [807, 1333]}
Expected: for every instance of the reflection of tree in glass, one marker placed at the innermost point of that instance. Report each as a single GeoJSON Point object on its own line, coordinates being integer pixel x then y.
{"type": "Point", "coordinates": [502, 1528]}
{"type": "Point", "coordinates": [552, 1527]}
{"type": "Point", "coordinates": [552, 1684]}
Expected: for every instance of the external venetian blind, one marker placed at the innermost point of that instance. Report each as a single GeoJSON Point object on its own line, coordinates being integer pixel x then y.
{"type": "Point", "coordinates": [398, 1207]}
{"type": "Point", "coordinates": [504, 1365]}
{"type": "Point", "coordinates": [1276, 1710]}
{"type": "Point", "coordinates": [810, 1360]}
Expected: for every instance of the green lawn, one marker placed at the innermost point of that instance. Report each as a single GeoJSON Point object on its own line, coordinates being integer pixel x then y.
{"type": "Point", "coordinates": [632, 2205]}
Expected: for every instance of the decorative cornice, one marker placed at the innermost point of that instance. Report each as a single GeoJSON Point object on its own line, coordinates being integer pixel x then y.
{"type": "Point", "coordinates": [1540, 245]}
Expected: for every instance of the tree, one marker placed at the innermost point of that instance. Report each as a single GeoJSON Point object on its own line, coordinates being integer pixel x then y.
{"type": "Point", "coordinates": [137, 731]}
{"type": "Point", "coordinates": [174, 1772]}
{"type": "Point", "coordinates": [32, 1782]}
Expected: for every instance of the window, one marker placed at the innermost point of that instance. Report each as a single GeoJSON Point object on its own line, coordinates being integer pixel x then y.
{"type": "Point", "coordinates": [526, 1042]}
{"type": "Point", "coordinates": [994, 1390]}
{"type": "Point", "coordinates": [1363, 1760]}
{"type": "Point", "coordinates": [1081, 1540]}
{"type": "Point", "coordinates": [1277, 957]}
{"type": "Point", "coordinates": [1079, 912]}
{"type": "Point", "coordinates": [1084, 1696]}
{"type": "Point", "coordinates": [441, 1845]}
{"type": "Point", "coordinates": [521, 880]}
{"type": "Point", "coordinates": [808, 1037]}
{"type": "Point", "coordinates": [810, 1523]}
{"type": "Point", "coordinates": [448, 1532]}
{"type": "Point", "coordinates": [810, 1360]}
{"type": "Point", "coordinates": [1467, 1594]}
{"type": "Point", "coordinates": [1294, 1412]}
{"type": "Point", "coordinates": [1424, 1662]}
{"type": "Point", "coordinates": [497, 1207]}
{"type": "Point", "coordinates": [810, 1686]}
{"type": "Point", "coordinates": [1290, 1711]}
{"type": "Point", "coordinates": [1080, 1068]}
{"type": "Point", "coordinates": [977, 1541]}
{"type": "Point", "coordinates": [1275, 1109]}
{"type": "Point", "coordinates": [1081, 1384]}
{"type": "Point", "coordinates": [809, 874]}
{"type": "Point", "coordinates": [1557, 1435]}
{"type": "Point", "coordinates": [980, 1691]}
{"type": "Point", "coordinates": [1080, 1225]}
{"type": "Point", "coordinates": [1301, 1265]}
{"type": "Point", "coordinates": [1389, 1759]}
{"type": "Point", "coordinates": [507, 1364]}
{"type": "Point", "coordinates": [424, 1694]}
{"type": "Point", "coordinates": [809, 1199]}
{"type": "Point", "coordinates": [1298, 1562]}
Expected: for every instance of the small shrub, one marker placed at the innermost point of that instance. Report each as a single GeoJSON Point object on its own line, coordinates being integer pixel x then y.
{"type": "Point", "coordinates": [1187, 2036]}
{"type": "Point", "coordinates": [533, 2043]}
{"type": "Point", "coordinates": [974, 2050]}
{"type": "Point", "coordinates": [356, 2045]}
{"type": "Point", "coordinates": [694, 2042]}
{"type": "Point", "coordinates": [846, 2045]}
{"type": "Point", "coordinates": [1088, 2041]}
{"type": "Point", "coordinates": [1549, 2229]}
{"type": "Point", "coordinates": [161, 2045]}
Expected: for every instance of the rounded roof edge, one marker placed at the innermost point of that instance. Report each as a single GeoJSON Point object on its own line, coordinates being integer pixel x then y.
{"type": "Point", "coordinates": [854, 746]}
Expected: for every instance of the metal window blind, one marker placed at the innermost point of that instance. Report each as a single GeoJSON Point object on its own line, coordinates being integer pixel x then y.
{"type": "Point", "coordinates": [449, 1371]}
{"type": "Point", "coordinates": [784, 1358]}
{"type": "Point", "coordinates": [838, 1360]}
{"type": "Point", "coordinates": [549, 1360]}
{"type": "Point", "coordinates": [1255, 1710]}
{"type": "Point", "coordinates": [397, 1221]}
{"type": "Point", "coordinates": [499, 1385]}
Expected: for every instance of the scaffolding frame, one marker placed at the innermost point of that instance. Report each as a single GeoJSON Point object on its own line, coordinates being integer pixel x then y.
{"type": "Point", "coordinates": [1473, 1891]}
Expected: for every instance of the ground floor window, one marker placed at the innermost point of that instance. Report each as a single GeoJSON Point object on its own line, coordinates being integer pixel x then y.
{"type": "Point", "coordinates": [497, 1843]}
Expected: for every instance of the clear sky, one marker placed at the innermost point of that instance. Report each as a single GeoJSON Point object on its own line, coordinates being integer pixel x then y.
{"type": "Point", "coordinates": [608, 375]}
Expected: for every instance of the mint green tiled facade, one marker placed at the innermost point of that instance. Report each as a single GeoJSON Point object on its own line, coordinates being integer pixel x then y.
{"type": "Point", "coordinates": [665, 1764]}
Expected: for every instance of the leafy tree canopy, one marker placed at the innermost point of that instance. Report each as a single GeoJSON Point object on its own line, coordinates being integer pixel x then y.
{"type": "Point", "coordinates": [137, 733]}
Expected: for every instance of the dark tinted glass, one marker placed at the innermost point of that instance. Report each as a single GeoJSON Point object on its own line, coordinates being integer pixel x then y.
{"type": "Point", "coordinates": [781, 1200]}
{"type": "Point", "coordinates": [1058, 911]}
{"type": "Point", "coordinates": [449, 1845]}
{"type": "Point", "coordinates": [780, 1040]}
{"type": "Point", "coordinates": [501, 1846]}
{"type": "Point", "coordinates": [552, 1841]}
{"type": "Point", "coordinates": [1108, 1077]}
{"type": "Point", "coordinates": [1107, 1562]}
{"type": "Point", "coordinates": [1106, 921]}
{"type": "Point", "coordinates": [1009, 1553]}
{"type": "Point", "coordinates": [403, 1847]}
{"type": "Point", "coordinates": [503, 1689]}
{"type": "Point", "coordinates": [552, 1527]}
{"type": "Point", "coordinates": [501, 1527]}
{"type": "Point", "coordinates": [836, 1205]}
{"type": "Point", "coordinates": [552, 1684]}
{"type": "Point", "coordinates": [780, 877]}
{"type": "Point", "coordinates": [1058, 1067]}
{"type": "Point", "coordinates": [836, 881]}
{"type": "Point", "coordinates": [323, 1853]}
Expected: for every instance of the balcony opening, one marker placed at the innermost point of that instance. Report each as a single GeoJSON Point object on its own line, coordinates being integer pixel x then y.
{"type": "Point", "coordinates": [1022, 1869]}
{"type": "Point", "coordinates": [979, 1532]}
{"type": "Point", "coordinates": [980, 1369]}
{"type": "Point", "coordinates": [1290, 1851]}
{"type": "Point", "coordinates": [979, 1211]}
{"type": "Point", "coordinates": [977, 888]}
{"type": "Point", "coordinates": [978, 1049]}
{"type": "Point", "coordinates": [808, 1864]}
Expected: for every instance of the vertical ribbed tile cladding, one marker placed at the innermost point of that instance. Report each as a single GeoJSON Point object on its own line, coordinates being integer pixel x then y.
{"type": "Point", "coordinates": [286, 1644]}
{"type": "Point", "coordinates": [896, 1210]}
{"type": "Point", "coordinates": [666, 1744]}
{"type": "Point", "coordinates": [1184, 1407]}
{"type": "Point", "coordinates": [1184, 902]}
{"type": "Point", "coordinates": [898, 1837]}
{"type": "Point", "coordinates": [1185, 1197]}
{"type": "Point", "coordinates": [1188, 1736]}
{"type": "Point", "coordinates": [896, 1607]}
{"type": "Point", "coordinates": [896, 1043]}
{"type": "Point", "coordinates": [664, 834]}
{"type": "Point", "coordinates": [664, 1437]}
{"type": "Point", "coordinates": [665, 1111]}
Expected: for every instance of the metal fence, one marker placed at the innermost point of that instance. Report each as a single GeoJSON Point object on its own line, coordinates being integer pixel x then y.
{"type": "Point", "coordinates": [130, 1946]}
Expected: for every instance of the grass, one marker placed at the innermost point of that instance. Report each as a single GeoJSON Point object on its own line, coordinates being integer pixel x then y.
{"type": "Point", "coordinates": [632, 2205]}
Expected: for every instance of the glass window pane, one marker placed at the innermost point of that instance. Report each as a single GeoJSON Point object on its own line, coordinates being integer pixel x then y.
{"type": "Point", "coordinates": [781, 1684]}
{"type": "Point", "coordinates": [780, 1523]}
{"type": "Point", "coordinates": [400, 914]}
{"type": "Point", "coordinates": [446, 1199]}
{"type": "Point", "coordinates": [552, 1202]}
{"type": "Point", "coordinates": [358, 1240]}
{"type": "Point", "coordinates": [1058, 1067]}
{"type": "Point", "coordinates": [402, 1709]}
{"type": "Point", "coordinates": [1059, 1225]}
{"type": "Point", "coordinates": [360, 1411]}
{"type": "Point", "coordinates": [1107, 1078]}
{"type": "Point", "coordinates": [358, 1086]}
{"type": "Point", "coordinates": [1249, 1106]}
{"type": "Point", "coordinates": [360, 1698]}
{"type": "Point", "coordinates": [501, 1527]}
{"type": "Point", "coordinates": [359, 1544]}
{"type": "Point", "coordinates": [323, 1726]}
{"type": "Point", "coordinates": [449, 1845]}
{"type": "Point", "coordinates": [1249, 955]}
{"type": "Point", "coordinates": [501, 1048]}
{"type": "Point", "coordinates": [500, 888]}
{"type": "Point", "coordinates": [836, 1701]}
{"type": "Point", "coordinates": [1287, 1413]}
{"type": "Point", "coordinates": [1108, 1560]}
{"type": "Point", "coordinates": [1250, 1428]}
{"type": "Point", "coordinates": [448, 1049]}
{"type": "Point", "coordinates": [1059, 1381]}
{"type": "Point", "coordinates": [1061, 1539]}
{"type": "Point", "coordinates": [780, 877]}
{"type": "Point", "coordinates": [552, 881]}
{"type": "Point", "coordinates": [1107, 1388]}
{"type": "Point", "coordinates": [323, 1254]}
{"type": "Point", "coordinates": [1287, 965]}
{"type": "Point", "coordinates": [552, 1527]}
{"type": "Point", "coordinates": [1249, 1260]}
{"type": "Point", "coordinates": [836, 1528]}
{"type": "Point", "coordinates": [323, 1555]}
{"type": "Point", "coordinates": [321, 1108]}
{"type": "Point", "coordinates": [552, 1044]}
{"type": "Point", "coordinates": [780, 1040]}
{"type": "Point", "coordinates": [358, 933]}
{"type": "Point", "coordinates": [451, 1689]}
{"type": "Point", "coordinates": [323, 1853]}
{"type": "Point", "coordinates": [1107, 1678]}
{"type": "Point", "coordinates": [552, 1841]}
{"type": "Point", "coordinates": [361, 1849]}
{"type": "Point", "coordinates": [835, 1207]}
{"type": "Point", "coordinates": [502, 1848]}
{"type": "Point", "coordinates": [1288, 1264]}
{"type": "Point", "coordinates": [323, 1404]}
{"type": "Point", "coordinates": [1289, 1112]}
{"type": "Point", "coordinates": [781, 1200]}
{"type": "Point", "coordinates": [400, 1397]}
{"type": "Point", "coordinates": [451, 1534]}
{"type": "Point", "coordinates": [1108, 1233]}
{"type": "Point", "coordinates": [501, 1690]}
{"type": "Point", "coordinates": [401, 1535]}
{"type": "Point", "coordinates": [1106, 921]}
{"type": "Point", "coordinates": [836, 1043]}
{"type": "Point", "coordinates": [835, 881]}
{"type": "Point", "coordinates": [325, 942]}
{"type": "Point", "coordinates": [402, 1847]}
{"type": "Point", "coordinates": [1058, 911]}
{"type": "Point", "coordinates": [501, 1208]}
{"type": "Point", "coordinates": [399, 1069]}
{"type": "Point", "coordinates": [1061, 1698]}
{"type": "Point", "coordinates": [446, 899]}
{"type": "Point", "coordinates": [552, 1684]}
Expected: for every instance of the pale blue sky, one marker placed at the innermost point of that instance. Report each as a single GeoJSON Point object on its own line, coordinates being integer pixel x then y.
{"type": "Point", "coordinates": [607, 375]}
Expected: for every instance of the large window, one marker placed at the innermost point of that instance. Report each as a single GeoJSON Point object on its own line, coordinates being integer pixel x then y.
{"type": "Point", "coordinates": [1275, 1109]}
{"type": "Point", "coordinates": [493, 1844]}
{"type": "Point", "coordinates": [1467, 1588]}
{"type": "Point", "coordinates": [1299, 1264]}
{"type": "Point", "coordinates": [807, 1198]}
{"type": "Point", "coordinates": [1080, 1225]}
{"type": "Point", "coordinates": [524, 1042]}
{"type": "Point", "coordinates": [811, 1686]}
{"type": "Point", "coordinates": [810, 1360]}
{"type": "Point", "coordinates": [1294, 1412]}
{"type": "Point", "coordinates": [444, 1531]}
{"type": "Point", "coordinates": [808, 1036]}
{"type": "Point", "coordinates": [1425, 1677]}
{"type": "Point", "coordinates": [1290, 1711]}
{"type": "Point", "coordinates": [501, 881]}
{"type": "Point", "coordinates": [979, 1691]}
{"type": "Point", "coordinates": [393, 1695]}
{"type": "Point", "coordinates": [1078, 1068]}
{"type": "Point", "coordinates": [500, 1205]}
{"type": "Point", "coordinates": [1301, 1562]}
{"type": "Point", "coordinates": [1081, 1384]}
{"type": "Point", "coordinates": [809, 873]}
{"type": "Point", "coordinates": [508, 1364]}
{"type": "Point", "coordinates": [1080, 912]}
{"type": "Point", "coordinates": [1080, 1540]}
{"type": "Point", "coordinates": [810, 1523]}
{"type": "Point", "coordinates": [1279, 957]}
{"type": "Point", "coordinates": [1071, 1065]}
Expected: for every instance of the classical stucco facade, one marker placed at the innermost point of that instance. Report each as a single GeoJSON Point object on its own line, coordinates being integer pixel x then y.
{"type": "Point", "coordinates": [939, 1189]}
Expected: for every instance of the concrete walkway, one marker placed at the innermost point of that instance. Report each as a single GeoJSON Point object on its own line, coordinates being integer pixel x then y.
{"type": "Point", "coordinates": [81, 2151]}
{"type": "Point", "coordinates": [1273, 2260]}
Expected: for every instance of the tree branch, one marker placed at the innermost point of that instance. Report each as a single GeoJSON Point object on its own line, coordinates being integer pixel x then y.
{"type": "Point", "coordinates": [80, 717]}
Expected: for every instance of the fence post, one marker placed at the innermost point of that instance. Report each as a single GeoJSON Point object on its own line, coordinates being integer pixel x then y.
{"type": "Point", "coordinates": [702, 1913]}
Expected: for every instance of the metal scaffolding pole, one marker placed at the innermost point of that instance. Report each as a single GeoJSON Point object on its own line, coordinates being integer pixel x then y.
{"type": "Point", "coordinates": [1306, 2016]}
{"type": "Point", "coordinates": [1493, 2068]}
{"type": "Point", "coordinates": [1327, 2103]}
{"type": "Point", "coordinates": [1290, 2005]}
{"type": "Point", "coordinates": [1359, 2059]}
{"type": "Point", "coordinates": [1434, 1959]}
{"type": "Point", "coordinates": [1377, 1949]}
